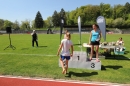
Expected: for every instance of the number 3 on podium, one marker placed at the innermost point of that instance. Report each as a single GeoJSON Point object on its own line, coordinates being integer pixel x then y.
{"type": "Point", "coordinates": [92, 65]}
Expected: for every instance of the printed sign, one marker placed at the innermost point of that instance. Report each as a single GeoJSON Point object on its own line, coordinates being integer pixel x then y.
{"type": "Point", "coordinates": [102, 26]}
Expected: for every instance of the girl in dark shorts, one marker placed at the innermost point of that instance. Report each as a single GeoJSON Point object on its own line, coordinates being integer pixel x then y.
{"type": "Point", "coordinates": [95, 43]}
{"type": "Point", "coordinates": [94, 40]}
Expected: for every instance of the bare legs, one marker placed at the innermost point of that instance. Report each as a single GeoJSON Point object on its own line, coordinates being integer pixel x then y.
{"type": "Point", "coordinates": [66, 65]}
{"type": "Point", "coordinates": [97, 47]}
{"type": "Point", "coordinates": [64, 69]}
{"type": "Point", "coordinates": [92, 49]}
{"type": "Point", "coordinates": [62, 65]}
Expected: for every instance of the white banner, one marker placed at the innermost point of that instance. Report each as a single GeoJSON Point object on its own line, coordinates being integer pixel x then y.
{"type": "Point", "coordinates": [79, 26]}
{"type": "Point", "coordinates": [102, 26]}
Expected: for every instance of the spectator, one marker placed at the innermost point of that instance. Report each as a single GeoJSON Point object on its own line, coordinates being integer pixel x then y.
{"type": "Point", "coordinates": [34, 38]}
{"type": "Point", "coordinates": [120, 41]}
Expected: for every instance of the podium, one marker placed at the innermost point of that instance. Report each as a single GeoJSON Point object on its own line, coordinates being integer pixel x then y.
{"type": "Point", "coordinates": [80, 60]}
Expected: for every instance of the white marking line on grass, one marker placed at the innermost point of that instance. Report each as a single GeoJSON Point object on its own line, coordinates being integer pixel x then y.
{"type": "Point", "coordinates": [27, 54]}
{"type": "Point", "coordinates": [50, 80]}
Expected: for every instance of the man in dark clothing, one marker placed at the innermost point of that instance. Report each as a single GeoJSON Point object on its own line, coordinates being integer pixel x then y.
{"type": "Point", "coordinates": [34, 38]}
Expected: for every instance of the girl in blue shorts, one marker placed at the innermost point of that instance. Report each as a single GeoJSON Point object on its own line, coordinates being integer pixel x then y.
{"type": "Point", "coordinates": [65, 47]}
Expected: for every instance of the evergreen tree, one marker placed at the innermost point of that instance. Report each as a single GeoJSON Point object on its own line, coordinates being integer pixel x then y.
{"type": "Point", "coordinates": [126, 10]}
{"type": "Point", "coordinates": [38, 20]}
{"type": "Point", "coordinates": [55, 18]}
{"type": "Point", "coordinates": [1, 24]}
{"type": "Point", "coordinates": [63, 15]}
{"type": "Point", "coordinates": [127, 7]}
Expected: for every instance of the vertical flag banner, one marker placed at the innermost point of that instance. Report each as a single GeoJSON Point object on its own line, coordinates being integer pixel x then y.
{"type": "Point", "coordinates": [102, 26]}
{"type": "Point", "coordinates": [79, 26]}
{"type": "Point", "coordinates": [61, 28]}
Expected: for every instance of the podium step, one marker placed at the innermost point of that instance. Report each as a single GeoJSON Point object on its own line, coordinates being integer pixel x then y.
{"type": "Point", "coordinates": [93, 64]}
{"type": "Point", "coordinates": [79, 60]}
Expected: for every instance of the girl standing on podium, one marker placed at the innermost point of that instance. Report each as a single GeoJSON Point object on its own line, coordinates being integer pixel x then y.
{"type": "Point", "coordinates": [94, 40]}
{"type": "Point", "coordinates": [66, 45]}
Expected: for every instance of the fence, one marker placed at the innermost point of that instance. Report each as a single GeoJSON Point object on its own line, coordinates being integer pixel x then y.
{"type": "Point", "coordinates": [71, 30]}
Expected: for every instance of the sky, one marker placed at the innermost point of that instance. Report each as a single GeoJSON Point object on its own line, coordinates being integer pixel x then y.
{"type": "Point", "coordinates": [22, 10]}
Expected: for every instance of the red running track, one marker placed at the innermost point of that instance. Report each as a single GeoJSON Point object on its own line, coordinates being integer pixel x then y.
{"type": "Point", "coordinates": [14, 81]}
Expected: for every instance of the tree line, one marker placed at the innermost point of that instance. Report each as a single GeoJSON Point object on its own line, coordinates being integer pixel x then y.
{"type": "Point", "coordinates": [117, 16]}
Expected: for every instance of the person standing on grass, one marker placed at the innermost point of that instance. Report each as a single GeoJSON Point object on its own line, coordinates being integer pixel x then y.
{"type": "Point", "coordinates": [66, 45]}
{"type": "Point", "coordinates": [34, 38]}
{"type": "Point", "coordinates": [94, 40]}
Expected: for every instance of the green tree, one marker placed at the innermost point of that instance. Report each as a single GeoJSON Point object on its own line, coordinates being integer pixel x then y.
{"type": "Point", "coordinates": [7, 23]}
{"type": "Point", "coordinates": [1, 24]}
{"type": "Point", "coordinates": [127, 7]}
{"type": "Point", "coordinates": [92, 12]}
{"type": "Point", "coordinates": [25, 25]}
{"type": "Point", "coordinates": [38, 20]}
{"type": "Point", "coordinates": [128, 16]}
{"type": "Point", "coordinates": [126, 10]}
{"type": "Point", "coordinates": [114, 16]}
{"type": "Point", "coordinates": [76, 16]}
{"type": "Point", "coordinates": [105, 10]}
{"type": "Point", "coordinates": [81, 13]}
{"type": "Point", "coordinates": [119, 11]}
{"type": "Point", "coordinates": [67, 18]}
{"type": "Point", "coordinates": [118, 22]}
{"type": "Point", "coordinates": [55, 18]}
{"type": "Point", "coordinates": [109, 22]}
{"type": "Point", "coordinates": [16, 25]}
{"type": "Point", "coordinates": [48, 22]}
{"type": "Point", "coordinates": [63, 15]}
{"type": "Point", "coordinates": [126, 24]}
{"type": "Point", "coordinates": [72, 15]}
{"type": "Point", "coordinates": [32, 24]}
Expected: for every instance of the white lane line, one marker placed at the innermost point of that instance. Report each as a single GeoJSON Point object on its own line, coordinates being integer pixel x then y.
{"type": "Point", "coordinates": [26, 54]}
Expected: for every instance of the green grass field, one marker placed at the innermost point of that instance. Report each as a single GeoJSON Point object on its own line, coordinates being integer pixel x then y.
{"type": "Point", "coordinates": [42, 61]}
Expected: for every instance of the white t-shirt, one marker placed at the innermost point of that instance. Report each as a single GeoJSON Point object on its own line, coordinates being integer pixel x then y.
{"type": "Point", "coordinates": [66, 47]}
